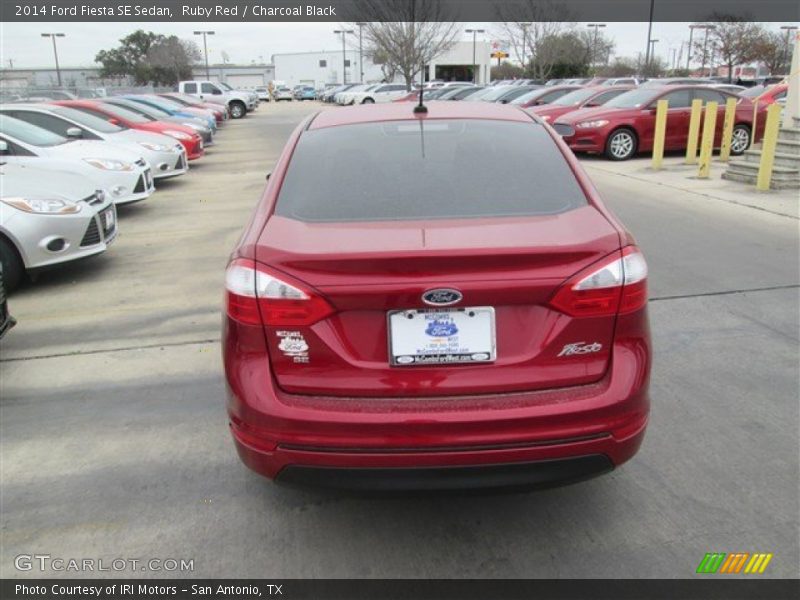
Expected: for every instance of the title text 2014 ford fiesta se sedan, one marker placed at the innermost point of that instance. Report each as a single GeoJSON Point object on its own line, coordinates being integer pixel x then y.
{"type": "Point", "coordinates": [434, 300]}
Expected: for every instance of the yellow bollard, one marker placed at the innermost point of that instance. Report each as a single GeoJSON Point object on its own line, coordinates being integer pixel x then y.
{"type": "Point", "coordinates": [694, 130]}
{"type": "Point", "coordinates": [707, 143]}
{"type": "Point", "coordinates": [660, 132]}
{"type": "Point", "coordinates": [755, 123]}
{"type": "Point", "coordinates": [768, 145]}
{"type": "Point", "coordinates": [727, 130]}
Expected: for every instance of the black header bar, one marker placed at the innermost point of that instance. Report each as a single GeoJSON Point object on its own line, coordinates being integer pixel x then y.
{"type": "Point", "coordinates": [140, 11]}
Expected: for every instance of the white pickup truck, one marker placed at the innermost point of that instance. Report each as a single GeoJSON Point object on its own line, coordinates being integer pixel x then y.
{"type": "Point", "coordinates": [239, 103]}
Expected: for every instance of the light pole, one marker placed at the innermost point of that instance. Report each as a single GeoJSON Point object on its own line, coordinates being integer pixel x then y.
{"type": "Point", "coordinates": [361, 50]}
{"type": "Point", "coordinates": [53, 36]}
{"type": "Point", "coordinates": [205, 49]}
{"type": "Point", "coordinates": [596, 26]}
{"type": "Point", "coordinates": [691, 37]}
{"type": "Point", "coordinates": [524, 46]}
{"type": "Point", "coordinates": [344, 33]}
{"type": "Point", "coordinates": [652, 51]}
{"type": "Point", "coordinates": [705, 48]}
{"type": "Point", "coordinates": [649, 35]}
{"type": "Point", "coordinates": [474, 33]}
{"type": "Point", "coordinates": [789, 29]}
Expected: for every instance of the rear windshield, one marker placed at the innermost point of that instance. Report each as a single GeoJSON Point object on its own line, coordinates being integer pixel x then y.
{"type": "Point", "coordinates": [574, 98]}
{"type": "Point", "coordinates": [90, 121]}
{"type": "Point", "coordinates": [139, 107]}
{"type": "Point", "coordinates": [124, 113]}
{"type": "Point", "coordinates": [407, 170]}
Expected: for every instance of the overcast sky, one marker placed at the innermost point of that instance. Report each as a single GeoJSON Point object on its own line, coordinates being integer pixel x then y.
{"type": "Point", "coordinates": [247, 42]}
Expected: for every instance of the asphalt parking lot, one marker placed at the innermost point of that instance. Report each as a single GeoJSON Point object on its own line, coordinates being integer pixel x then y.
{"type": "Point", "coordinates": [114, 441]}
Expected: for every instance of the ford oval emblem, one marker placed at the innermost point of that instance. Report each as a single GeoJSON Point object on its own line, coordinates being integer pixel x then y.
{"type": "Point", "coordinates": [442, 297]}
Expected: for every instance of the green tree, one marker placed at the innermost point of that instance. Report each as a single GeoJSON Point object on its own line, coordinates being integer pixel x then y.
{"type": "Point", "coordinates": [147, 57]}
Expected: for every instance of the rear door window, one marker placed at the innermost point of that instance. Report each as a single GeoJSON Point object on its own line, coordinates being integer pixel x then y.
{"type": "Point", "coordinates": [710, 96]}
{"type": "Point", "coordinates": [190, 88]}
{"type": "Point", "coordinates": [415, 170]}
{"type": "Point", "coordinates": [678, 99]}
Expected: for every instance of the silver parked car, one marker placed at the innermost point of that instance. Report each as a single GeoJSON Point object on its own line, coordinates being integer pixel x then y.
{"type": "Point", "coordinates": [48, 217]}
{"type": "Point", "coordinates": [167, 157]}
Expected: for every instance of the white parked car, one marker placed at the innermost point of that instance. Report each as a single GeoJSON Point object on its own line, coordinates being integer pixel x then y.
{"type": "Point", "coordinates": [283, 93]}
{"type": "Point", "coordinates": [380, 94]}
{"type": "Point", "coordinates": [346, 97]}
{"type": "Point", "coordinates": [48, 217]}
{"type": "Point", "coordinates": [124, 175]}
{"type": "Point", "coordinates": [167, 158]}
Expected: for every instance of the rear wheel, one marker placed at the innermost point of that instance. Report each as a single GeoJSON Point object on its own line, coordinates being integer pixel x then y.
{"type": "Point", "coordinates": [368, 101]}
{"type": "Point", "coordinates": [621, 144]}
{"type": "Point", "coordinates": [740, 141]}
{"type": "Point", "coordinates": [238, 109]}
{"type": "Point", "coordinates": [13, 269]}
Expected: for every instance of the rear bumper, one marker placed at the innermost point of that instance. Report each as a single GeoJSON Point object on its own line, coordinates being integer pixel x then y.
{"type": "Point", "coordinates": [534, 466]}
{"type": "Point", "coordinates": [294, 437]}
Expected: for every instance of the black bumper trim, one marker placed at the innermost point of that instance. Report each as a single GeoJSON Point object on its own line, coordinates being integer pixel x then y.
{"type": "Point", "coordinates": [520, 475]}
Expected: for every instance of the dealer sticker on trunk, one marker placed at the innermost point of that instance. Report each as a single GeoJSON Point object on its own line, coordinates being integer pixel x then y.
{"type": "Point", "coordinates": [442, 336]}
{"type": "Point", "coordinates": [293, 344]}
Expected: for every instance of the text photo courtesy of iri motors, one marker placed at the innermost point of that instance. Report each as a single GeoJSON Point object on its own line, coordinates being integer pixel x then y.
{"type": "Point", "coordinates": [399, 298]}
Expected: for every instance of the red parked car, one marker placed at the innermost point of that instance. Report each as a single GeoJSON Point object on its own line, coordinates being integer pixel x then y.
{"type": "Point", "coordinates": [766, 95]}
{"type": "Point", "coordinates": [625, 125]}
{"type": "Point", "coordinates": [188, 137]}
{"type": "Point", "coordinates": [543, 95]}
{"type": "Point", "coordinates": [587, 97]}
{"type": "Point", "coordinates": [430, 326]}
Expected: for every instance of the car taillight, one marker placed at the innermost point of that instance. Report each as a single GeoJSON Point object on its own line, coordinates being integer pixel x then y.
{"type": "Point", "coordinates": [255, 296]}
{"type": "Point", "coordinates": [617, 286]}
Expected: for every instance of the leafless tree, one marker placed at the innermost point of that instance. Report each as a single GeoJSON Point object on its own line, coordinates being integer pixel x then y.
{"type": "Point", "coordinates": [771, 51]}
{"type": "Point", "coordinates": [406, 34]}
{"type": "Point", "coordinates": [528, 25]}
{"type": "Point", "coordinates": [732, 39]}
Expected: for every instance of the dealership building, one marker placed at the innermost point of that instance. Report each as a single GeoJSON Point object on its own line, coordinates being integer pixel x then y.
{"type": "Point", "coordinates": [328, 67]}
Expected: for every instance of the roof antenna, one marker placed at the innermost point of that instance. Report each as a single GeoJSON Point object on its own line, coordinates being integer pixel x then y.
{"type": "Point", "coordinates": [421, 108]}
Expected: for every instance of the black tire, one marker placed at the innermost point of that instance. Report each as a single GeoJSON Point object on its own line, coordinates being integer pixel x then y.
{"type": "Point", "coordinates": [238, 109]}
{"type": "Point", "coordinates": [368, 101]}
{"type": "Point", "coordinates": [740, 140]}
{"type": "Point", "coordinates": [621, 144]}
{"type": "Point", "coordinates": [13, 269]}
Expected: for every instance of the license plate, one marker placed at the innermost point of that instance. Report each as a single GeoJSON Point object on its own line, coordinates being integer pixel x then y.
{"type": "Point", "coordinates": [108, 219]}
{"type": "Point", "coordinates": [442, 336]}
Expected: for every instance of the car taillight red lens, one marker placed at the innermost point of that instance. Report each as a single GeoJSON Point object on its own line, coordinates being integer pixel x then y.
{"type": "Point", "coordinates": [256, 296]}
{"type": "Point", "coordinates": [618, 285]}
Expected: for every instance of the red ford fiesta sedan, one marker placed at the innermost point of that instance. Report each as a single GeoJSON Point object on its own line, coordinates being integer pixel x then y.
{"type": "Point", "coordinates": [436, 300]}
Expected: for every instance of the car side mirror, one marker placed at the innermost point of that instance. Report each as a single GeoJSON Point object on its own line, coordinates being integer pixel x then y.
{"type": "Point", "coordinates": [216, 92]}
{"type": "Point", "coordinates": [74, 132]}
{"type": "Point", "coordinates": [3, 146]}
{"type": "Point", "coordinates": [591, 104]}
{"type": "Point", "coordinates": [114, 121]}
